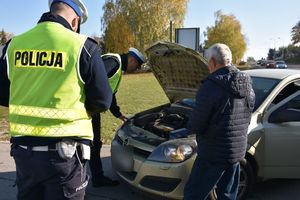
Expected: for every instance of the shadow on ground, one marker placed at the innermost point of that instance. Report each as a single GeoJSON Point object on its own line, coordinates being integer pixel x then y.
{"type": "Point", "coordinates": [120, 192]}
{"type": "Point", "coordinates": [7, 189]}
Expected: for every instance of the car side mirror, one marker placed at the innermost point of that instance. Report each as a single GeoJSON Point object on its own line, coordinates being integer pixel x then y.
{"type": "Point", "coordinates": [284, 115]}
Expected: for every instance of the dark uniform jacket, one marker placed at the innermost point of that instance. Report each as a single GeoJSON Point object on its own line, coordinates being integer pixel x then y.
{"type": "Point", "coordinates": [221, 116]}
{"type": "Point", "coordinates": [92, 71]}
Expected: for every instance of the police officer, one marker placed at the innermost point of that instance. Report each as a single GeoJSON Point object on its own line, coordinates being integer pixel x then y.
{"type": "Point", "coordinates": [52, 79]}
{"type": "Point", "coordinates": [115, 64]}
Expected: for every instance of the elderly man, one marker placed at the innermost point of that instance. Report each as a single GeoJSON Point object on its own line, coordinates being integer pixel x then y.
{"type": "Point", "coordinates": [220, 121]}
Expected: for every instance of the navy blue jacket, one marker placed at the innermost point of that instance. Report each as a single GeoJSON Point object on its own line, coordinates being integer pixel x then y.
{"type": "Point", "coordinates": [222, 114]}
{"type": "Point", "coordinates": [97, 90]}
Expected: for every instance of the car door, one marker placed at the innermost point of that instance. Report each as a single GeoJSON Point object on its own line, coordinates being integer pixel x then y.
{"type": "Point", "coordinates": [282, 139]}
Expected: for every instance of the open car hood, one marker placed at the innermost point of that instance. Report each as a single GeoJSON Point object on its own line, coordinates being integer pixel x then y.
{"type": "Point", "coordinates": [178, 69]}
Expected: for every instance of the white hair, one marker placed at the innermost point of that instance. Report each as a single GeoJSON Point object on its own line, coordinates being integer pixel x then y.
{"type": "Point", "coordinates": [220, 53]}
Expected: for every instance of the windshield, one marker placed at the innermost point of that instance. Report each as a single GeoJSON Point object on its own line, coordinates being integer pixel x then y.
{"type": "Point", "coordinates": [280, 62]}
{"type": "Point", "coordinates": [262, 88]}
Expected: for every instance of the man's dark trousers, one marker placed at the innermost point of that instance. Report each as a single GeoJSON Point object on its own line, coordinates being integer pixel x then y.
{"type": "Point", "coordinates": [43, 175]}
{"type": "Point", "coordinates": [205, 175]}
{"type": "Point", "coordinates": [95, 161]}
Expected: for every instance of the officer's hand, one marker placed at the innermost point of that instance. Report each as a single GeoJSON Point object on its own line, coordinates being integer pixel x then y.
{"type": "Point", "coordinates": [123, 118]}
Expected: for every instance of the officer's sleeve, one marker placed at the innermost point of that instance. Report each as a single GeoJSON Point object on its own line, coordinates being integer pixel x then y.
{"type": "Point", "coordinates": [4, 81]}
{"type": "Point", "coordinates": [97, 90]}
{"type": "Point", "coordinates": [114, 108]}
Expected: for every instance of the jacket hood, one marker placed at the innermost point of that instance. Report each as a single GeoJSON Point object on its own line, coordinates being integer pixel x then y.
{"type": "Point", "coordinates": [233, 80]}
{"type": "Point", "coordinates": [179, 70]}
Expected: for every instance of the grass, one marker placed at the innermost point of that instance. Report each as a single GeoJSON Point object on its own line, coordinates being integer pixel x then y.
{"type": "Point", "coordinates": [137, 92]}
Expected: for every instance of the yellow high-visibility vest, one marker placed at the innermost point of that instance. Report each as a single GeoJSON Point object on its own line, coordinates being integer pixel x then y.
{"type": "Point", "coordinates": [115, 80]}
{"type": "Point", "coordinates": [47, 96]}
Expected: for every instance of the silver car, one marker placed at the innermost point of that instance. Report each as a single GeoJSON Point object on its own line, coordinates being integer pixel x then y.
{"type": "Point", "coordinates": [153, 152]}
{"type": "Point", "coordinates": [280, 64]}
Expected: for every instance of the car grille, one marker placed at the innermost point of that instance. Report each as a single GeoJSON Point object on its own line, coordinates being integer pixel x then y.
{"type": "Point", "coordinates": [162, 184]}
{"type": "Point", "coordinates": [137, 151]}
{"type": "Point", "coordinates": [141, 152]}
{"type": "Point", "coordinates": [129, 175]}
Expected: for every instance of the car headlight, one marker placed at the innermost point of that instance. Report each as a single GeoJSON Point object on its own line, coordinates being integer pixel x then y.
{"type": "Point", "coordinates": [174, 151]}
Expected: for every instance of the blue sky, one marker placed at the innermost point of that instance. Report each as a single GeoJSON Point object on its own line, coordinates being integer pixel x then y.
{"type": "Point", "coordinates": [265, 23]}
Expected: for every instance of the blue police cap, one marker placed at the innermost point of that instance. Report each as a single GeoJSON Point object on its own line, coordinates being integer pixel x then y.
{"type": "Point", "coordinates": [77, 5]}
{"type": "Point", "coordinates": [140, 58]}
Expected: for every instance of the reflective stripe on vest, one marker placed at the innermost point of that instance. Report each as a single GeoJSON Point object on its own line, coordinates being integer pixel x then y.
{"type": "Point", "coordinates": [46, 92]}
{"type": "Point", "coordinates": [74, 129]}
{"type": "Point", "coordinates": [115, 80]}
{"type": "Point", "coordinates": [50, 113]}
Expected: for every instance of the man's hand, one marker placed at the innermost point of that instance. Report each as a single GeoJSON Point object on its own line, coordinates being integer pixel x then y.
{"type": "Point", "coordinates": [123, 118]}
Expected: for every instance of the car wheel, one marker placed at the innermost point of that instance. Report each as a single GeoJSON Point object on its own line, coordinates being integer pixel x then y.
{"type": "Point", "coordinates": [246, 182]}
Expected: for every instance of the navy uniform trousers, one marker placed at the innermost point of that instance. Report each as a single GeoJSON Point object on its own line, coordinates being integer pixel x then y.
{"type": "Point", "coordinates": [43, 175]}
{"type": "Point", "coordinates": [95, 161]}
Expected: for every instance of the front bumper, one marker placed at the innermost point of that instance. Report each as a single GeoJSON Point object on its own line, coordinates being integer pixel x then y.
{"type": "Point", "coordinates": [166, 180]}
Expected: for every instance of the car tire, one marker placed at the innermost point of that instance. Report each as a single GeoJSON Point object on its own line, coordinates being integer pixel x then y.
{"type": "Point", "coordinates": [246, 182]}
{"type": "Point", "coordinates": [247, 179]}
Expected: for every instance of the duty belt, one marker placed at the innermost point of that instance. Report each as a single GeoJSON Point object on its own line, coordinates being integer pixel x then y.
{"type": "Point", "coordinates": [40, 148]}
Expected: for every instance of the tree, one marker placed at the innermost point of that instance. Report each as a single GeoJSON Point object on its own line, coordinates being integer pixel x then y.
{"type": "Point", "coordinates": [250, 60]}
{"type": "Point", "coordinates": [271, 54]}
{"type": "Point", "coordinates": [292, 54]}
{"type": "Point", "coordinates": [227, 30]}
{"type": "Point", "coordinates": [296, 33]}
{"type": "Point", "coordinates": [139, 23]}
{"type": "Point", "coordinates": [118, 39]}
{"type": "Point", "coordinates": [4, 36]}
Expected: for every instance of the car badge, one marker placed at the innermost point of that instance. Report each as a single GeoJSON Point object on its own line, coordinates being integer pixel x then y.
{"type": "Point", "coordinates": [126, 142]}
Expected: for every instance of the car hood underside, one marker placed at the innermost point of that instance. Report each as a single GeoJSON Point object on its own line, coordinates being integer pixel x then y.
{"type": "Point", "coordinates": [178, 69]}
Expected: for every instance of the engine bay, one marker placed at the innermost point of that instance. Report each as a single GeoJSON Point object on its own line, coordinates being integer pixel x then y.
{"type": "Point", "coordinates": [168, 122]}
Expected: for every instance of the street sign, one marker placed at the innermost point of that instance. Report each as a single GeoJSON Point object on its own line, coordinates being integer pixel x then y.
{"type": "Point", "coordinates": [188, 37]}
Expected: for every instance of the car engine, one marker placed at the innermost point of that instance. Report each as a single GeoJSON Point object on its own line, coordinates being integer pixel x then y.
{"type": "Point", "coordinates": [166, 123]}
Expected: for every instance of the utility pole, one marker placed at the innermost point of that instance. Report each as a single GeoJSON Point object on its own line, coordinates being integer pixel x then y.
{"type": "Point", "coordinates": [282, 54]}
{"type": "Point", "coordinates": [171, 29]}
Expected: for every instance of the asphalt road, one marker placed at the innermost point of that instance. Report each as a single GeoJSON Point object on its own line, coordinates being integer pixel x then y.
{"type": "Point", "coordinates": [283, 189]}
{"type": "Point", "coordinates": [289, 66]}
{"type": "Point", "coordinates": [7, 179]}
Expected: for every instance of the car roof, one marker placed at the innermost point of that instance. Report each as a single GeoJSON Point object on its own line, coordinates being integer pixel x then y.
{"type": "Point", "coordinates": [273, 73]}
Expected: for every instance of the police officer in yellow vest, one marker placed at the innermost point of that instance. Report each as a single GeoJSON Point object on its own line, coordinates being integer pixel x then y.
{"type": "Point", "coordinates": [53, 79]}
{"type": "Point", "coordinates": [115, 65]}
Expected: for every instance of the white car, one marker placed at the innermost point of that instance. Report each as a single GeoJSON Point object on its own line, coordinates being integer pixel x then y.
{"type": "Point", "coordinates": [153, 153]}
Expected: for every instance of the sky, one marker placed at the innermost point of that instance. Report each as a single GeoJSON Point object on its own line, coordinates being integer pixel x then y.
{"type": "Point", "coordinates": [265, 23]}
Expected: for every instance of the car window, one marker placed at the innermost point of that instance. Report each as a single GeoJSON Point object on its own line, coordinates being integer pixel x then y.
{"type": "Point", "coordinates": [287, 91]}
{"type": "Point", "coordinates": [294, 103]}
{"type": "Point", "coordinates": [288, 112]}
{"type": "Point", "coordinates": [262, 88]}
